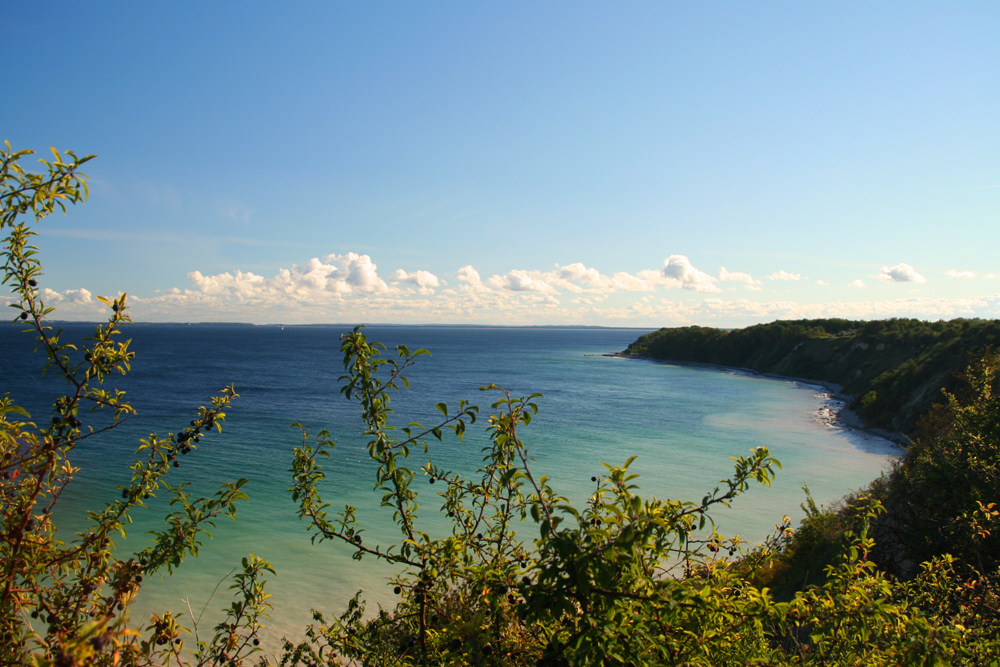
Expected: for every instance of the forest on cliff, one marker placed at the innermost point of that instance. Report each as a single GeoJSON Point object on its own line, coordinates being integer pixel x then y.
{"type": "Point", "coordinates": [895, 369]}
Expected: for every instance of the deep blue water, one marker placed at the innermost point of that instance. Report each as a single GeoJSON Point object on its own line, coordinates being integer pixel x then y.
{"type": "Point", "coordinates": [682, 423]}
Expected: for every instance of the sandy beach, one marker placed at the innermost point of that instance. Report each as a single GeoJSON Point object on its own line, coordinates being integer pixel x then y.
{"type": "Point", "coordinates": [835, 413]}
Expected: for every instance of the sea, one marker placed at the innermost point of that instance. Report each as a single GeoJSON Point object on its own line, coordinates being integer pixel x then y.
{"type": "Point", "coordinates": [681, 423]}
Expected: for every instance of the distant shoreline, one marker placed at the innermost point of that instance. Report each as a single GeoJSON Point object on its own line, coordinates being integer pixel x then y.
{"type": "Point", "coordinates": [351, 325]}
{"type": "Point", "coordinates": [841, 416]}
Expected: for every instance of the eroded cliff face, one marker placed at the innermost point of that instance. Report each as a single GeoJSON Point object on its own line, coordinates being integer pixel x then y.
{"type": "Point", "coordinates": [894, 369]}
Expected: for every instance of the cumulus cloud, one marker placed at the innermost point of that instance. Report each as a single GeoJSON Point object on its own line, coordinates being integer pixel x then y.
{"type": "Point", "coordinates": [521, 281]}
{"type": "Point", "coordinates": [348, 288]}
{"type": "Point", "coordinates": [467, 274]}
{"type": "Point", "coordinates": [579, 273]}
{"type": "Point", "coordinates": [679, 271]}
{"type": "Point", "coordinates": [339, 275]}
{"type": "Point", "coordinates": [738, 277]}
{"type": "Point", "coordinates": [78, 296]}
{"type": "Point", "coordinates": [424, 281]}
{"type": "Point", "coordinates": [962, 275]}
{"type": "Point", "coordinates": [856, 283]}
{"type": "Point", "coordinates": [901, 273]}
{"type": "Point", "coordinates": [784, 275]}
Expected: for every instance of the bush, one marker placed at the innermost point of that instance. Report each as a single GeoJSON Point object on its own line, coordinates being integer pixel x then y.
{"type": "Point", "coordinates": [66, 602]}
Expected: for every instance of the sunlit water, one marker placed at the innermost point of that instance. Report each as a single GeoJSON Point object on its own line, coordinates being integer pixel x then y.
{"type": "Point", "coordinates": [681, 423]}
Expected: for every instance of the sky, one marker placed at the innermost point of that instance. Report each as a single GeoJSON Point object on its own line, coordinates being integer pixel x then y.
{"type": "Point", "coordinates": [639, 164]}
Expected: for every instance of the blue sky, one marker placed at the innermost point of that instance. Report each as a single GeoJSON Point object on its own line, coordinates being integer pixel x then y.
{"type": "Point", "coordinates": [636, 164]}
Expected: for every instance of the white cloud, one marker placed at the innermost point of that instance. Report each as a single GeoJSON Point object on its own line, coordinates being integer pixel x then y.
{"type": "Point", "coordinates": [991, 276]}
{"type": "Point", "coordinates": [901, 273]}
{"type": "Point", "coordinates": [579, 273]}
{"type": "Point", "coordinates": [679, 272]}
{"type": "Point", "coordinates": [738, 277]}
{"type": "Point", "coordinates": [338, 276]}
{"type": "Point", "coordinates": [963, 275]}
{"type": "Point", "coordinates": [822, 282]}
{"type": "Point", "coordinates": [521, 281]}
{"type": "Point", "coordinates": [467, 274]}
{"type": "Point", "coordinates": [856, 283]}
{"type": "Point", "coordinates": [80, 296]}
{"type": "Point", "coordinates": [784, 275]}
{"type": "Point", "coordinates": [425, 281]}
{"type": "Point", "coordinates": [348, 288]}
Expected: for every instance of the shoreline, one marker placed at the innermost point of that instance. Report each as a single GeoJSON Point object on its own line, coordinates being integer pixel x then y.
{"type": "Point", "coordinates": [840, 415]}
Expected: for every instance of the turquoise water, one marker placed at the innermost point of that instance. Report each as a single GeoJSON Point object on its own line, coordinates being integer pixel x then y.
{"type": "Point", "coordinates": [682, 423]}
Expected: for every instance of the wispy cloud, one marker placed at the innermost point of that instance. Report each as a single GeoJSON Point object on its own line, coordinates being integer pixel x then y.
{"type": "Point", "coordinates": [962, 275]}
{"type": "Point", "coordinates": [113, 235]}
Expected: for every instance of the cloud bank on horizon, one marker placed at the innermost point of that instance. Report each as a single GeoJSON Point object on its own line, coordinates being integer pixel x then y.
{"type": "Point", "coordinates": [349, 288]}
{"type": "Point", "coordinates": [640, 164]}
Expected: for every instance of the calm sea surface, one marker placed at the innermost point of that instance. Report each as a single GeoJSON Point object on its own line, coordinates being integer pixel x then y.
{"type": "Point", "coordinates": [682, 423]}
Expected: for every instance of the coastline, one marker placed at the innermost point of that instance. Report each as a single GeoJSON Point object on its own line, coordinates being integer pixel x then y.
{"type": "Point", "coordinates": [839, 414]}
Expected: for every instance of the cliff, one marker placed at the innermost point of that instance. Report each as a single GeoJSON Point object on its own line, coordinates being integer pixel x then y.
{"type": "Point", "coordinates": [895, 369]}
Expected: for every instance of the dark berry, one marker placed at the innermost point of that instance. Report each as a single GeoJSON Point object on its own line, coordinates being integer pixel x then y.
{"type": "Point", "coordinates": [593, 479]}
{"type": "Point", "coordinates": [397, 590]}
{"type": "Point", "coordinates": [33, 282]}
{"type": "Point", "coordinates": [24, 316]}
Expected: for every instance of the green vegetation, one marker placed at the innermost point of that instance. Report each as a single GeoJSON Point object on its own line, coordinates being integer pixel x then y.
{"type": "Point", "coordinates": [523, 577]}
{"type": "Point", "coordinates": [894, 368]}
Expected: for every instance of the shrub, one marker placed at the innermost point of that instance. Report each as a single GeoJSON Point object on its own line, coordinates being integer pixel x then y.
{"type": "Point", "coordinates": [66, 602]}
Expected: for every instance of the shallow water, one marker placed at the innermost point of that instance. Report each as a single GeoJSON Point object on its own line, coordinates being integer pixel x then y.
{"type": "Point", "coordinates": [682, 423]}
